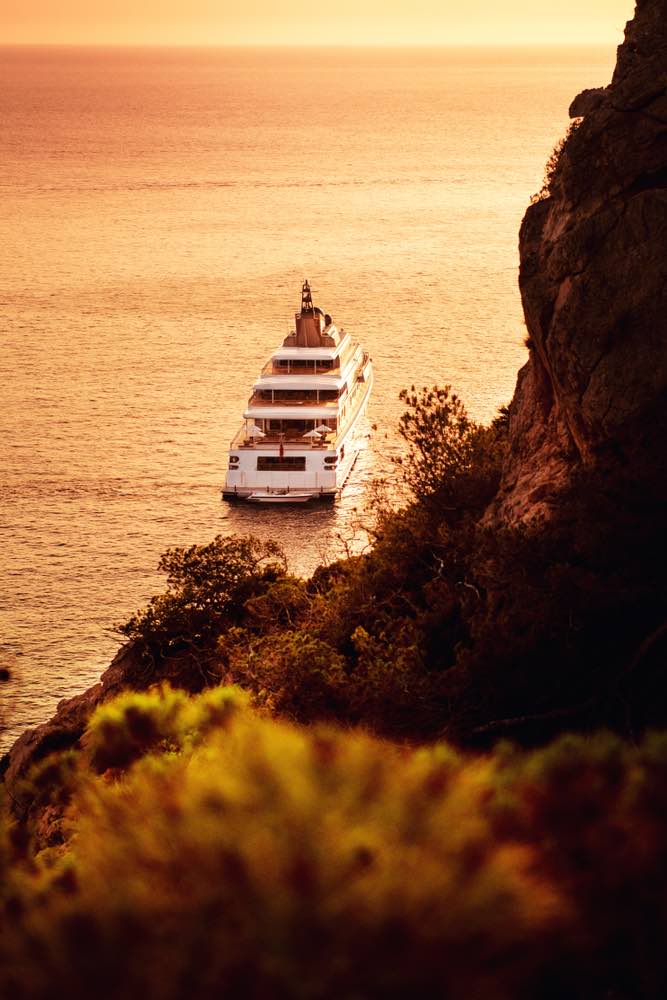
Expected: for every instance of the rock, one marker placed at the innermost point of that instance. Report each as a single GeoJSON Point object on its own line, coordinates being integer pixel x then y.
{"type": "Point", "coordinates": [129, 670]}
{"type": "Point", "coordinates": [40, 820]}
{"type": "Point", "coordinates": [594, 293]}
{"type": "Point", "coordinates": [587, 101]}
{"type": "Point", "coordinates": [67, 726]}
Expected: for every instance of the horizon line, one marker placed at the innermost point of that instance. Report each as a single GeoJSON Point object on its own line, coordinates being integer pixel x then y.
{"type": "Point", "coordinates": [309, 45]}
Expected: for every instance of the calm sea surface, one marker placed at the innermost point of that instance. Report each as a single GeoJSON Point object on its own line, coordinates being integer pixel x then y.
{"type": "Point", "coordinates": [158, 212]}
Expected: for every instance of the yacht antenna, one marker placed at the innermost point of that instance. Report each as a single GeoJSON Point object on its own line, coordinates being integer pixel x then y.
{"type": "Point", "coordinates": [306, 298]}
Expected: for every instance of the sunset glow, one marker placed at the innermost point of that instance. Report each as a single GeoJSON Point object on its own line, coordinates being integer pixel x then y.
{"type": "Point", "coordinates": [296, 22]}
{"type": "Point", "coordinates": [334, 499]}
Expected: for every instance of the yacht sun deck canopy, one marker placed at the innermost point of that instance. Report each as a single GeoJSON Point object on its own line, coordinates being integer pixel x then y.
{"type": "Point", "coordinates": [305, 353]}
{"type": "Point", "coordinates": [289, 413]}
{"type": "Point", "coordinates": [300, 382]}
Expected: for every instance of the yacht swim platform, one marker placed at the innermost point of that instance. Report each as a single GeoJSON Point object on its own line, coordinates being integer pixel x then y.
{"type": "Point", "coordinates": [279, 496]}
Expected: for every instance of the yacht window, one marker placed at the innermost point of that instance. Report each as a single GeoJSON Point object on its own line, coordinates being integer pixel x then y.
{"type": "Point", "coordinates": [293, 395]}
{"type": "Point", "coordinates": [304, 365]}
{"type": "Point", "coordinates": [288, 463]}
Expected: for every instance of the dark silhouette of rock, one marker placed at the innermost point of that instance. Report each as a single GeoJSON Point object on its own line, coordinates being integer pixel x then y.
{"type": "Point", "coordinates": [587, 101]}
{"type": "Point", "coordinates": [67, 726]}
{"type": "Point", "coordinates": [594, 288]}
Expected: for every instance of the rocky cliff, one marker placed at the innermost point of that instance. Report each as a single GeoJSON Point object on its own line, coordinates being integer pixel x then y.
{"type": "Point", "coordinates": [593, 282]}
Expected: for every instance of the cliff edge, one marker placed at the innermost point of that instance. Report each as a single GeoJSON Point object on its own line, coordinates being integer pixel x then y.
{"type": "Point", "coordinates": [593, 250]}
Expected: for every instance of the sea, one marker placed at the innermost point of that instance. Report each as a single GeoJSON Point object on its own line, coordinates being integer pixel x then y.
{"type": "Point", "coordinates": [159, 210]}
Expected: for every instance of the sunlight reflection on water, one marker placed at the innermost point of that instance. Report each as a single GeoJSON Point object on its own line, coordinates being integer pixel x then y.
{"type": "Point", "coordinates": [159, 214]}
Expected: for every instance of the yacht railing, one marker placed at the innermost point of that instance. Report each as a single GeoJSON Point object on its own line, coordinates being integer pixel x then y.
{"type": "Point", "coordinates": [295, 368]}
{"type": "Point", "coordinates": [256, 400]}
{"type": "Point", "coordinates": [273, 440]}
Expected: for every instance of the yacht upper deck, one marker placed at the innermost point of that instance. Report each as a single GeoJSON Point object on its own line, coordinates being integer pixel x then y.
{"type": "Point", "coordinates": [290, 439]}
{"type": "Point", "coordinates": [310, 388]}
{"type": "Point", "coordinates": [300, 365]}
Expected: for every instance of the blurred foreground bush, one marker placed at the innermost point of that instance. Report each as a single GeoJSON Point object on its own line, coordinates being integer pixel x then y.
{"type": "Point", "coordinates": [219, 853]}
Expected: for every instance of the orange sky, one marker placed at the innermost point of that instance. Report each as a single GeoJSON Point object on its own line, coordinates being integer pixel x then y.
{"type": "Point", "coordinates": [296, 22]}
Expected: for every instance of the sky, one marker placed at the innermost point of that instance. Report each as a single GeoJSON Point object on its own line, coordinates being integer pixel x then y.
{"type": "Point", "coordinates": [304, 22]}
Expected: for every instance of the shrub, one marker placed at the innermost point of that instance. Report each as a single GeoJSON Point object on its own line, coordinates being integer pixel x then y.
{"type": "Point", "coordinates": [207, 587]}
{"type": "Point", "coordinates": [451, 459]}
{"type": "Point", "coordinates": [551, 167]}
{"type": "Point", "coordinates": [293, 673]}
{"type": "Point", "coordinates": [136, 723]}
{"type": "Point", "coordinates": [281, 605]}
{"type": "Point", "coordinates": [262, 859]}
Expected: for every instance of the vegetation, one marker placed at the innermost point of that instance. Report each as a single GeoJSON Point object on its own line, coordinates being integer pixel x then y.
{"type": "Point", "coordinates": [367, 640]}
{"type": "Point", "coordinates": [552, 163]}
{"type": "Point", "coordinates": [450, 459]}
{"type": "Point", "coordinates": [207, 586]}
{"type": "Point", "coordinates": [243, 856]}
{"type": "Point", "coordinates": [445, 627]}
{"type": "Point", "coordinates": [299, 829]}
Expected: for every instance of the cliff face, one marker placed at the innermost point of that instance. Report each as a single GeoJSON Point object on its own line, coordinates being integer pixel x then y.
{"type": "Point", "coordinates": [593, 281]}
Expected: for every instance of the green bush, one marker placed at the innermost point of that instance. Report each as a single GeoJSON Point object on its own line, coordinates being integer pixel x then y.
{"type": "Point", "coordinates": [134, 723]}
{"type": "Point", "coordinates": [293, 673]}
{"type": "Point", "coordinates": [470, 632]}
{"type": "Point", "coordinates": [265, 860]}
{"type": "Point", "coordinates": [207, 587]}
{"type": "Point", "coordinates": [232, 611]}
{"type": "Point", "coordinates": [452, 461]}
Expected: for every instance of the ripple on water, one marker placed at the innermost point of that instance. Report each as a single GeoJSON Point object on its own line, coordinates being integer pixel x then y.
{"type": "Point", "coordinates": [152, 263]}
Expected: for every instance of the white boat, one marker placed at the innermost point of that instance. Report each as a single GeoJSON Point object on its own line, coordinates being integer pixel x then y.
{"type": "Point", "coordinates": [302, 429]}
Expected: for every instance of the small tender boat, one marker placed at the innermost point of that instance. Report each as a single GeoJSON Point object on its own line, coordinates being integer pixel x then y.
{"type": "Point", "coordinates": [280, 496]}
{"type": "Point", "coordinates": [301, 433]}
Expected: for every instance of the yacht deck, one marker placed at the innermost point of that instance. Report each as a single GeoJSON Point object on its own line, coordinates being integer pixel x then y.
{"type": "Point", "coordinates": [290, 441]}
{"type": "Point", "coordinates": [258, 402]}
{"type": "Point", "coordinates": [300, 367]}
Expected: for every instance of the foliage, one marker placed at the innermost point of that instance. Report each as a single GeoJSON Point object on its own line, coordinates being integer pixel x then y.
{"type": "Point", "coordinates": [262, 859]}
{"type": "Point", "coordinates": [365, 640]}
{"type": "Point", "coordinates": [390, 689]}
{"type": "Point", "coordinates": [381, 683]}
{"type": "Point", "coordinates": [451, 459]}
{"type": "Point", "coordinates": [448, 627]}
{"type": "Point", "coordinates": [443, 626]}
{"type": "Point", "coordinates": [352, 644]}
{"type": "Point", "coordinates": [280, 605]}
{"type": "Point", "coordinates": [165, 720]}
{"type": "Point", "coordinates": [550, 170]}
{"type": "Point", "coordinates": [293, 673]}
{"type": "Point", "coordinates": [207, 586]}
